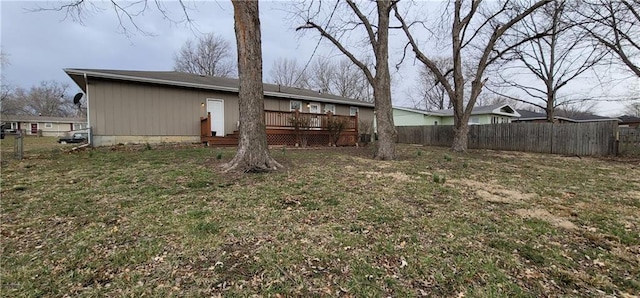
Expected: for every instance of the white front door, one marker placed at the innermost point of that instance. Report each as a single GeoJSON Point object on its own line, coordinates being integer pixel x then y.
{"type": "Point", "coordinates": [216, 108]}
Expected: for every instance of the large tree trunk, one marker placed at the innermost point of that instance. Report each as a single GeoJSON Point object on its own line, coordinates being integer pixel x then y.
{"type": "Point", "coordinates": [387, 133]}
{"type": "Point", "coordinates": [460, 137]}
{"type": "Point", "coordinates": [253, 152]}
{"type": "Point", "coordinates": [460, 118]}
{"type": "Point", "coordinates": [550, 108]}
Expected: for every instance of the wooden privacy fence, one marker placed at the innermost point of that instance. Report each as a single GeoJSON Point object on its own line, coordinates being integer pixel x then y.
{"type": "Point", "coordinates": [629, 141]}
{"type": "Point", "coordinates": [596, 138]}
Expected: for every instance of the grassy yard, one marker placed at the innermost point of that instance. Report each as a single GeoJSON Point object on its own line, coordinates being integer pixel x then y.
{"type": "Point", "coordinates": [166, 222]}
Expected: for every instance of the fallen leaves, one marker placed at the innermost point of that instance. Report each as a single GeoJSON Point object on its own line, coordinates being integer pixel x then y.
{"type": "Point", "coordinates": [335, 224]}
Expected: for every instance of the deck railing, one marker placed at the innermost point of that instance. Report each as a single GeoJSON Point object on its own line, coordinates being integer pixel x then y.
{"type": "Point", "coordinates": [292, 120]}
{"type": "Point", "coordinates": [205, 126]}
{"type": "Point", "coordinates": [310, 121]}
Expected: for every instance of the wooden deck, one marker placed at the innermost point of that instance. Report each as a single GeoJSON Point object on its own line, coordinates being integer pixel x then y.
{"type": "Point", "coordinates": [291, 129]}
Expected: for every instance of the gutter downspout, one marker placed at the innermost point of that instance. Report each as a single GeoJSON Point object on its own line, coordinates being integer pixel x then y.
{"type": "Point", "coordinates": [86, 84]}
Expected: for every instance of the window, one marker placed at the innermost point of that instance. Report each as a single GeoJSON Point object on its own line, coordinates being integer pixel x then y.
{"type": "Point", "coordinates": [295, 105]}
{"type": "Point", "coordinates": [330, 108]}
{"type": "Point", "coordinates": [494, 120]}
{"type": "Point", "coordinates": [48, 125]}
{"type": "Point", "coordinates": [14, 126]}
{"type": "Point", "coordinates": [79, 126]}
{"type": "Point", "coordinates": [353, 111]}
{"type": "Point", "coordinates": [314, 108]}
{"type": "Point", "coordinates": [435, 122]}
{"type": "Point", "coordinates": [474, 120]}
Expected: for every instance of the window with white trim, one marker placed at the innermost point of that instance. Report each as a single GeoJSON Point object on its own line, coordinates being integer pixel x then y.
{"type": "Point", "coordinates": [295, 105]}
{"type": "Point", "coordinates": [48, 125]}
{"type": "Point", "coordinates": [353, 111]}
{"type": "Point", "coordinates": [474, 120]}
{"type": "Point", "coordinates": [328, 107]}
{"type": "Point", "coordinates": [78, 126]}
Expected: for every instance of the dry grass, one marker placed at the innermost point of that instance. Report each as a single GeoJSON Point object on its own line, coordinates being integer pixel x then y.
{"type": "Point", "coordinates": [165, 221]}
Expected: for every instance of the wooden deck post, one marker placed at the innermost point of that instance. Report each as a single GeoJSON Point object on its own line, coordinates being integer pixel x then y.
{"type": "Point", "coordinates": [209, 124]}
{"type": "Point", "coordinates": [205, 125]}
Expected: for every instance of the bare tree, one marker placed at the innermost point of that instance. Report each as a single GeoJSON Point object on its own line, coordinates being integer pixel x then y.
{"type": "Point", "coordinates": [488, 99]}
{"type": "Point", "coordinates": [253, 153]}
{"type": "Point", "coordinates": [209, 54]}
{"type": "Point", "coordinates": [322, 75]}
{"type": "Point", "coordinates": [287, 72]}
{"type": "Point", "coordinates": [348, 81]}
{"type": "Point", "coordinates": [615, 26]}
{"type": "Point", "coordinates": [476, 33]}
{"type": "Point", "coordinates": [49, 98]}
{"type": "Point", "coordinates": [8, 104]}
{"type": "Point", "coordinates": [342, 78]}
{"type": "Point", "coordinates": [428, 93]}
{"type": "Point", "coordinates": [377, 39]}
{"type": "Point", "coordinates": [571, 109]}
{"type": "Point", "coordinates": [562, 55]}
{"type": "Point", "coordinates": [632, 109]}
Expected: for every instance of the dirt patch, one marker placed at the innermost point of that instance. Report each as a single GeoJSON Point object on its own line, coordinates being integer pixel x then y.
{"type": "Point", "coordinates": [632, 194]}
{"type": "Point", "coordinates": [495, 193]}
{"type": "Point", "coordinates": [543, 214]}
{"type": "Point", "coordinates": [382, 164]}
{"type": "Point", "coordinates": [399, 176]}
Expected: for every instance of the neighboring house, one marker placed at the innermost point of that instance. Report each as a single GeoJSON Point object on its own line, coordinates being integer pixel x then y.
{"type": "Point", "coordinates": [535, 117]}
{"type": "Point", "coordinates": [629, 121]}
{"type": "Point", "coordinates": [42, 125]}
{"type": "Point", "coordinates": [493, 114]}
{"type": "Point", "coordinates": [166, 106]}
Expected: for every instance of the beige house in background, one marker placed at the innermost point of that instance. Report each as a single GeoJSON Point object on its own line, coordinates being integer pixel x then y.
{"type": "Point", "coordinates": [127, 106]}
{"type": "Point", "coordinates": [42, 125]}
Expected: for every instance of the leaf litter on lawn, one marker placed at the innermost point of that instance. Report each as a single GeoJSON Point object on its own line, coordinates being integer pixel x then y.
{"type": "Point", "coordinates": [168, 222]}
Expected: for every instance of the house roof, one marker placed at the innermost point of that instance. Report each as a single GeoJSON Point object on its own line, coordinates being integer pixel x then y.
{"type": "Point", "coordinates": [629, 119]}
{"type": "Point", "coordinates": [181, 79]}
{"type": "Point", "coordinates": [428, 113]}
{"type": "Point", "coordinates": [591, 118]}
{"type": "Point", "coordinates": [499, 109]}
{"type": "Point", "coordinates": [585, 117]}
{"type": "Point", "coordinates": [34, 118]}
{"type": "Point", "coordinates": [531, 115]}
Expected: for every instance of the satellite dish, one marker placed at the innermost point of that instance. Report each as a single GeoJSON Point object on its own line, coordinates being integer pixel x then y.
{"type": "Point", "coordinates": [77, 98]}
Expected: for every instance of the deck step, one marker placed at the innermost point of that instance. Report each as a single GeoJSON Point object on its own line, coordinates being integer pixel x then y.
{"type": "Point", "coordinates": [220, 141]}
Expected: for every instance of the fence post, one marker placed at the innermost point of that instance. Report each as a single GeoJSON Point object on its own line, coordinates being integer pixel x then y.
{"type": "Point", "coordinates": [18, 146]}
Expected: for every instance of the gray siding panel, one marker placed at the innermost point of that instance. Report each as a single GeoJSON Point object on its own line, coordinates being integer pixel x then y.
{"type": "Point", "coordinates": [133, 109]}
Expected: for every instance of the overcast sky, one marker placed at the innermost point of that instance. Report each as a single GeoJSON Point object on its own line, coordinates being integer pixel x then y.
{"type": "Point", "coordinates": [40, 44]}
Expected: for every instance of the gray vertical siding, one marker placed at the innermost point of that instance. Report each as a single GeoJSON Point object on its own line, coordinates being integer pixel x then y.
{"type": "Point", "coordinates": [132, 109]}
{"type": "Point", "coordinates": [119, 108]}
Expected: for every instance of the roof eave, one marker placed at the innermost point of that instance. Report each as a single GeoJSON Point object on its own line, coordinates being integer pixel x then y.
{"type": "Point", "coordinates": [71, 71]}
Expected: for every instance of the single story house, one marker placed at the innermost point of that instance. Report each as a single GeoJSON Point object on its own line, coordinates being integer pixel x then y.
{"type": "Point", "coordinates": [492, 114]}
{"type": "Point", "coordinates": [629, 121]}
{"type": "Point", "coordinates": [42, 125]}
{"type": "Point", "coordinates": [128, 106]}
{"type": "Point", "coordinates": [535, 117]}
